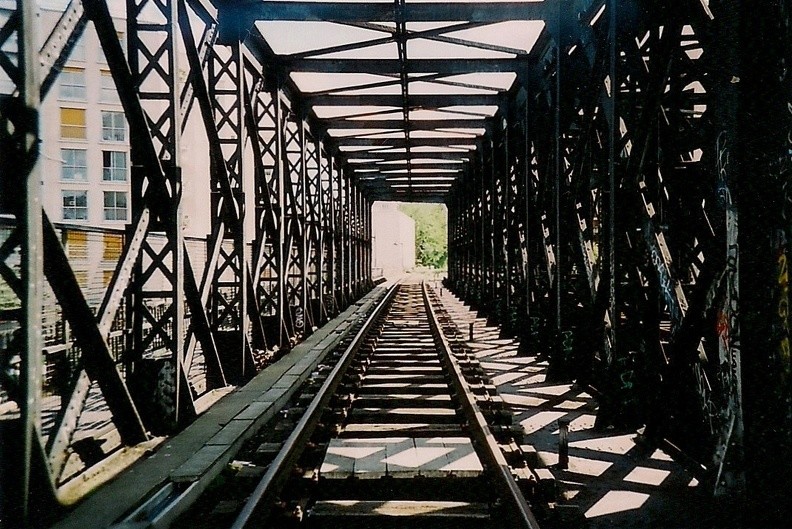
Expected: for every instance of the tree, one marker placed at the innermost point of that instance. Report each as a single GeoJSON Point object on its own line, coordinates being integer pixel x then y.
{"type": "Point", "coordinates": [431, 233]}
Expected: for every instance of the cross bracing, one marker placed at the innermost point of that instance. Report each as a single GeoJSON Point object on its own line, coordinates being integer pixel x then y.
{"type": "Point", "coordinates": [616, 174]}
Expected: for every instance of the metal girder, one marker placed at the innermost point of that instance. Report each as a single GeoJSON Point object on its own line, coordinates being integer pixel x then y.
{"type": "Point", "coordinates": [402, 142]}
{"type": "Point", "coordinates": [157, 320]}
{"type": "Point", "coordinates": [416, 176]}
{"type": "Point", "coordinates": [402, 164]}
{"type": "Point", "coordinates": [230, 306]}
{"type": "Point", "coordinates": [393, 66]}
{"type": "Point", "coordinates": [421, 124]}
{"type": "Point", "coordinates": [416, 101]}
{"type": "Point", "coordinates": [243, 14]}
{"type": "Point", "coordinates": [399, 156]}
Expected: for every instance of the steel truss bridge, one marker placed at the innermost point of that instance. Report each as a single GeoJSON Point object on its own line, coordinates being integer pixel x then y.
{"type": "Point", "coordinates": [621, 202]}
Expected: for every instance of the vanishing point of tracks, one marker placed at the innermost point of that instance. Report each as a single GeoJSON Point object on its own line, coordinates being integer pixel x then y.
{"type": "Point", "coordinates": [392, 435]}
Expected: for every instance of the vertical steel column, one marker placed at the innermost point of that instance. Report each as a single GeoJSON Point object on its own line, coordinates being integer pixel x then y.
{"type": "Point", "coordinates": [610, 265]}
{"type": "Point", "coordinates": [22, 486]}
{"type": "Point", "coordinates": [348, 225]}
{"type": "Point", "coordinates": [491, 223]}
{"type": "Point", "coordinates": [498, 211]}
{"type": "Point", "coordinates": [230, 322]}
{"type": "Point", "coordinates": [332, 242]}
{"type": "Point", "coordinates": [557, 176]}
{"type": "Point", "coordinates": [323, 222]}
{"type": "Point", "coordinates": [304, 232]}
{"type": "Point", "coordinates": [356, 239]}
{"type": "Point", "coordinates": [451, 204]}
{"type": "Point", "coordinates": [527, 198]}
{"type": "Point", "coordinates": [280, 181]}
{"type": "Point", "coordinates": [481, 235]}
{"type": "Point", "coordinates": [485, 239]}
{"type": "Point", "coordinates": [158, 285]}
{"type": "Point", "coordinates": [471, 232]}
{"type": "Point", "coordinates": [506, 230]}
{"type": "Point", "coordinates": [343, 238]}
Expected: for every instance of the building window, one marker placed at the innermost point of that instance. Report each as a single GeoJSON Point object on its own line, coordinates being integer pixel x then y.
{"type": "Point", "coordinates": [78, 51]}
{"type": "Point", "coordinates": [76, 244]}
{"type": "Point", "coordinates": [113, 244]}
{"type": "Point", "coordinates": [109, 92]}
{"type": "Point", "coordinates": [73, 165]}
{"type": "Point", "coordinates": [73, 123]}
{"type": "Point", "coordinates": [75, 205]}
{"type": "Point", "coordinates": [114, 166]}
{"type": "Point", "coordinates": [113, 126]}
{"type": "Point", "coordinates": [115, 205]}
{"type": "Point", "coordinates": [72, 84]}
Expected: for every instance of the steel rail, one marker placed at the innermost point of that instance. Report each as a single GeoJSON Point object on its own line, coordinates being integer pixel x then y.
{"type": "Point", "coordinates": [277, 473]}
{"type": "Point", "coordinates": [522, 516]}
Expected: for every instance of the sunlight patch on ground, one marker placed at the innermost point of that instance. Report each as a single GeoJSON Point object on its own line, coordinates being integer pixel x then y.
{"type": "Point", "coordinates": [553, 390]}
{"type": "Point", "coordinates": [647, 476]}
{"type": "Point", "coordinates": [659, 455]}
{"type": "Point", "coordinates": [538, 421]}
{"type": "Point", "coordinates": [612, 445]}
{"type": "Point", "coordinates": [617, 501]}
{"type": "Point", "coordinates": [570, 405]}
{"type": "Point", "coordinates": [587, 466]}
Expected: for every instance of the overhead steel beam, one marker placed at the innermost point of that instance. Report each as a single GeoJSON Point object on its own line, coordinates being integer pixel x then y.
{"type": "Point", "coordinates": [402, 164]}
{"type": "Point", "coordinates": [425, 177]}
{"type": "Point", "coordinates": [403, 156]}
{"type": "Point", "coordinates": [392, 66]}
{"type": "Point", "coordinates": [401, 142]}
{"type": "Point", "coordinates": [416, 101]}
{"type": "Point", "coordinates": [423, 124]}
{"type": "Point", "coordinates": [245, 13]}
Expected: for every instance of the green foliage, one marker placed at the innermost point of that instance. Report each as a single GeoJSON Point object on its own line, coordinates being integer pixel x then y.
{"type": "Point", "coordinates": [431, 233]}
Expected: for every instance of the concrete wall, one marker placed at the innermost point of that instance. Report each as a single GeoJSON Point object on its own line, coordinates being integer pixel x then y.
{"type": "Point", "coordinates": [393, 240]}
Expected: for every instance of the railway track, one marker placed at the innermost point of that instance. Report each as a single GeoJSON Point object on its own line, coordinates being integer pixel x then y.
{"type": "Point", "coordinates": [392, 435]}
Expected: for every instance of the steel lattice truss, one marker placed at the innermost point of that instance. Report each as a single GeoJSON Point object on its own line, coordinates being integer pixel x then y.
{"type": "Point", "coordinates": [613, 175]}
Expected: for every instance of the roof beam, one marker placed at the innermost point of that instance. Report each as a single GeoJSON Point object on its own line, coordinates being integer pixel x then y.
{"type": "Point", "coordinates": [392, 66]}
{"type": "Point", "coordinates": [395, 166]}
{"type": "Point", "coordinates": [400, 142]}
{"type": "Point", "coordinates": [368, 155]}
{"type": "Point", "coordinates": [422, 178]}
{"type": "Point", "coordinates": [416, 101]}
{"type": "Point", "coordinates": [421, 124]}
{"type": "Point", "coordinates": [245, 13]}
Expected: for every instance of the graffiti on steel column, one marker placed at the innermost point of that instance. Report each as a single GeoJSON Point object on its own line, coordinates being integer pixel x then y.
{"type": "Point", "coordinates": [727, 322]}
{"type": "Point", "coordinates": [783, 300]}
{"type": "Point", "coordinates": [667, 286]}
{"type": "Point", "coordinates": [727, 319]}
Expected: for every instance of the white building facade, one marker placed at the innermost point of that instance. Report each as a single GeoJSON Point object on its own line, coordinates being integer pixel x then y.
{"type": "Point", "coordinates": [393, 240]}
{"type": "Point", "coordinates": [85, 144]}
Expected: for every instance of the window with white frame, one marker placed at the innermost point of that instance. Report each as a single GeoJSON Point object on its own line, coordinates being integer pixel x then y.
{"type": "Point", "coordinates": [78, 51]}
{"type": "Point", "coordinates": [115, 205]}
{"type": "Point", "coordinates": [113, 126]}
{"type": "Point", "coordinates": [109, 92]}
{"type": "Point", "coordinates": [73, 165]}
{"type": "Point", "coordinates": [114, 166]}
{"type": "Point", "coordinates": [72, 84]}
{"type": "Point", "coordinates": [75, 205]}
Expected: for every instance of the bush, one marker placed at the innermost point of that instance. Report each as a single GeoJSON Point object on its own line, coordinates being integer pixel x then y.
{"type": "Point", "coordinates": [431, 233]}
